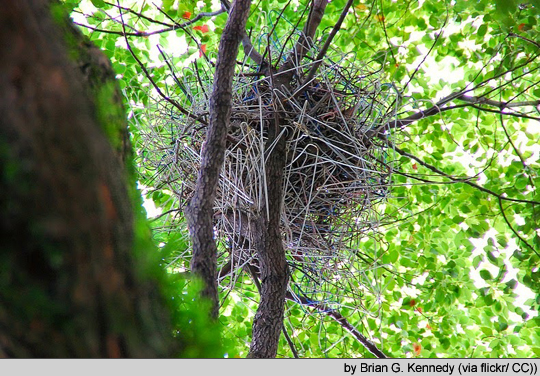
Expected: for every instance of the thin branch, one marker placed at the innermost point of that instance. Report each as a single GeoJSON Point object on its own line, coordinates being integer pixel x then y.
{"type": "Point", "coordinates": [525, 89]}
{"type": "Point", "coordinates": [501, 105]}
{"type": "Point", "coordinates": [147, 74]}
{"type": "Point", "coordinates": [383, 23]}
{"type": "Point", "coordinates": [438, 108]}
{"type": "Point", "coordinates": [401, 123]}
{"type": "Point", "coordinates": [516, 150]}
{"type": "Point", "coordinates": [188, 32]}
{"type": "Point", "coordinates": [515, 114]}
{"type": "Point", "coordinates": [153, 32]}
{"type": "Point", "coordinates": [290, 342]}
{"type": "Point", "coordinates": [461, 180]}
{"type": "Point", "coordinates": [164, 214]}
{"type": "Point", "coordinates": [519, 154]}
{"type": "Point", "coordinates": [138, 14]}
{"type": "Point", "coordinates": [502, 74]}
{"type": "Point", "coordinates": [507, 82]}
{"type": "Point", "coordinates": [525, 39]}
{"type": "Point", "coordinates": [117, 32]}
{"type": "Point", "coordinates": [199, 17]}
{"type": "Point", "coordinates": [290, 35]}
{"type": "Point", "coordinates": [513, 230]}
{"type": "Point", "coordinates": [276, 22]}
{"type": "Point", "coordinates": [345, 324]}
{"type": "Point", "coordinates": [171, 69]}
{"type": "Point", "coordinates": [429, 51]}
{"type": "Point", "coordinates": [304, 42]}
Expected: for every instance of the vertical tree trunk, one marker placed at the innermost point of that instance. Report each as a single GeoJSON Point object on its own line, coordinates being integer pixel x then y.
{"type": "Point", "coordinates": [69, 283]}
{"type": "Point", "coordinates": [201, 208]}
{"type": "Point", "coordinates": [274, 270]}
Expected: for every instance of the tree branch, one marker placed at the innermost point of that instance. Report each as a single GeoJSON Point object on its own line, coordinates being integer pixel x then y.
{"type": "Point", "coordinates": [401, 123]}
{"type": "Point", "coordinates": [500, 112]}
{"type": "Point", "coordinates": [250, 51]}
{"type": "Point", "coordinates": [525, 39]}
{"type": "Point", "coordinates": [513, 230]}
{"type": "Point", "coordinates": [290, 342]}
{"type": "Point", "coordinates": [324, 49]}
{"type": "Point", "coordinates": [147, 74]}
{"type": "Point", "coordinates": [429, 51]}
{"type": "Point", "coordinates": [199, 211]}
{"type": "Point", "coordinates": [345, 324]}
{"type": "Point", "coordinates": [439, 107]}
{"type": "Point", "coordinates": [461, 180]}
{"type": "Point", "coordinates": [138, 14]}
{"type": "Point", "coordinates": [153, 32]}
{"type": "Point", "coordinates": [268, 322]}
{"type": "Point", "coordinates": [501, 105]}
{"type": "Point", "coordinates": [286, 71]}
{"type": "Point", "coordinates": [247, 45]}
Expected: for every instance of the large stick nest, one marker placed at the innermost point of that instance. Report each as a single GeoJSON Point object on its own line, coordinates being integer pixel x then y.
{"type": "Point", "coordinates": [335, 174]}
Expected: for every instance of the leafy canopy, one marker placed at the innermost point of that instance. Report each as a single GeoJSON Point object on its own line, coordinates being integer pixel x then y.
{"type": "Point", "coordinates": [451, 267]}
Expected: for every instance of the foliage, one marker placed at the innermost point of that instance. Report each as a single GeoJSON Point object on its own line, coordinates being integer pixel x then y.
{"type": "Point", "coordinates": [449, 268]}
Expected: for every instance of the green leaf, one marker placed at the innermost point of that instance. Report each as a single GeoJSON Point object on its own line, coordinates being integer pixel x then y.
{"type": "Point", "coordinates": [485, 275]}
{"type": "Point", "coordinates": [99, 3]}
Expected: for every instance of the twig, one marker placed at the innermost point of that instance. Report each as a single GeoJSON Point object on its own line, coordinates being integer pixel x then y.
{"type": "Point", "coordinates": [498, 104]}
{"type": "Point", "coordinates": [525, 39]}
{"type": "Point", "coordinates": [188, 32]}
{"type": "Point", "coordinates": [429, 51]}
{"type": "Point", "coordinates": [513, 230]}
{"type": "Point", "coordinates": [140, 15]}
{"type": "Point", "coordinates": [501, 112]}
{"type": "Point", "coordinates": [147, 74]}
{"type": "Point", "coordinates": [345, 324]}
{"type": "Point", "coordinates": [290, 342]}
{"type": "Point", "coordinates": [462, 180]}
{"type": "Point", "coordinates": [149, 33]}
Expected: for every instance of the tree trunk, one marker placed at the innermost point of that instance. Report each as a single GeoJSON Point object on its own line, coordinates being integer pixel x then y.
{"type": "Point", "coordinates": [268, 321]}
{"type": "Point", "coordinates": [69, 283]}
{"type": "Point", "coordinates": [274, 269]}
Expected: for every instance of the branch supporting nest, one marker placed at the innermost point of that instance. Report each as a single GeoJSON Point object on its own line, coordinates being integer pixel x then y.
{"type": "Point", "coordinates": [336, 169]}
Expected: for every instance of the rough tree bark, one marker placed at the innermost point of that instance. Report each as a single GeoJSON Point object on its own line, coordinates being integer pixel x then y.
{"type": "Point", "coordinates": [274, 269]}
{"type": "Point", "coordinates": [201, 208]}
{"type": "Point", "coordinates": [69, 283]}
{"type": "Point", "coordinates": [268, 321]}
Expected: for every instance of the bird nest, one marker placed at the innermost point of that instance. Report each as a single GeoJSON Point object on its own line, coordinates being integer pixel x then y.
{"type": "Point", "coordinates": [335, 172]}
